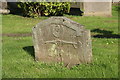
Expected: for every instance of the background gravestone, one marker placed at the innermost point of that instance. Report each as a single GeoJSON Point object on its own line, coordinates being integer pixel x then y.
{"type": "Point", "coordinates": [3, 7]}
{"type": "Point", "coordinates": [98, 9]}
{"type": "Point", "coordinates": [59, 39]}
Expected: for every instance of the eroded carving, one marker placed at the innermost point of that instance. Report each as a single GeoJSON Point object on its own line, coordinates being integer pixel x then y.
{"type": "Point", "coordinates": [57, 30]}
{"type": "Point", "coordinates": [62, 40]}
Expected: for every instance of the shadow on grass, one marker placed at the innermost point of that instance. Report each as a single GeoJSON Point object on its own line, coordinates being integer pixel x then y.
{"type": "Point", "coordinates": [12, 6]}
{"type": "Point", "coordinates": [105, 34]}
{"type": "Point", "coordinates": [75, 12]}
{"type": "Point", "coordinates": [30, 50]}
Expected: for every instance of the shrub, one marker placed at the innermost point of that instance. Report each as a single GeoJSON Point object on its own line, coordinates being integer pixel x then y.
{"type": "Point", "coordinates": [36, 9]}
{"type": "Point", "coordinates": [118, 8]}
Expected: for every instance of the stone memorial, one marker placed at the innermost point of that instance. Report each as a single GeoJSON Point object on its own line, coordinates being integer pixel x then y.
{"type": "Point", "coordinates": [59, 39]}
{"type": "Point", "coordinates": [94, 8]}
{"type": "Point", "coordinates": [3, 7]}
{"type": "Point", "coordinates": [98, 9]}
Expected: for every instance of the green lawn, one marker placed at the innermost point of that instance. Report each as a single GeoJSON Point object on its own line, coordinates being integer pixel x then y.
{"type": "Point", "coordinates": [17, 62]}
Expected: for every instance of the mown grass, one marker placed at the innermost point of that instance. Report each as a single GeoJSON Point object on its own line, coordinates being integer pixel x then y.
{"type": "Point", "coordinates": [19, 62]}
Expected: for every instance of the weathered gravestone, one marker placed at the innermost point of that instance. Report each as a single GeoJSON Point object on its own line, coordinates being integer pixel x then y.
{"type": "Point", "coordinates": [94, 8]}
{"type": "Point", "coordinates": [3, 7]}
{"type": "Point", "coordinates": [98, 9]}
{"type": "Point", "coordinates": [59, 39]}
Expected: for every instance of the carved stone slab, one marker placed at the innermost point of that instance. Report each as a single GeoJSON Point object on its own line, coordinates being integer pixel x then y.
{"type": "Point", "coordinates": [59, 39]}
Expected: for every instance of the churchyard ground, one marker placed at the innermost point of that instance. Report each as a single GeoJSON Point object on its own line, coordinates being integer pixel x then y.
{"type": "Point", "coordinates": [18, 54]}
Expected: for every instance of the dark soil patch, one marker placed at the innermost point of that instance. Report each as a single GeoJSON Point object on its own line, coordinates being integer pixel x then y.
{"type": "Point", "coordinates": [17, 34]}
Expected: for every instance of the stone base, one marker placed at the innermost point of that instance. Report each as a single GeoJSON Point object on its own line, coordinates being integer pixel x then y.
{"type": "Point", "coordinates": [4, 11]}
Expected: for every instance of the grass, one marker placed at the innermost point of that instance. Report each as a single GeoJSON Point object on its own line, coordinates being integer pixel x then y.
{"type": "Point", "coordinates": [19, 62]}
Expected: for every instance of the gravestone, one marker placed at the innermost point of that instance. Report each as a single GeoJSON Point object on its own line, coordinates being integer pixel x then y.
{"type": "Point", "coordinates": [95, 8]}
{"type": "Point", "coordinates": [3, 7]}
{"type": "Point", "coordinates": [98, 9]}
{"type": "Point", "coordinates": [59, 39]}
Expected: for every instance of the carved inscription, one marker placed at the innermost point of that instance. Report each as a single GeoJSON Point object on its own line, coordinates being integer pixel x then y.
{"type": "Point", "coordinates": [57, 30]}
{"type": "Point", "coordinates": [59, 39]}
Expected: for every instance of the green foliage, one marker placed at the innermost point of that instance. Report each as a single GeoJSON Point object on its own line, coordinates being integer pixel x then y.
{"type": "Point", "coordinates": [118, 8]}
{"type": "Point", "coordinates": [36, 9]}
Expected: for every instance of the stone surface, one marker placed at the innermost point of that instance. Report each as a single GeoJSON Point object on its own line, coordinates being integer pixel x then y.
{"type": "Point", "coordinates": [4, 11]}
{"type": "Point", "coordinates": [77, 5]}
{"type": "Point", "coordinates": [3, 5]}
{"type": "Point", "coordinates": [3, 8]}
{"type": "Point", "coordinates": [59, 39]}
{"type": "Point", "coordinates": [94, 8]}
{"type": "Point", "coordinates": [98, 9]}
